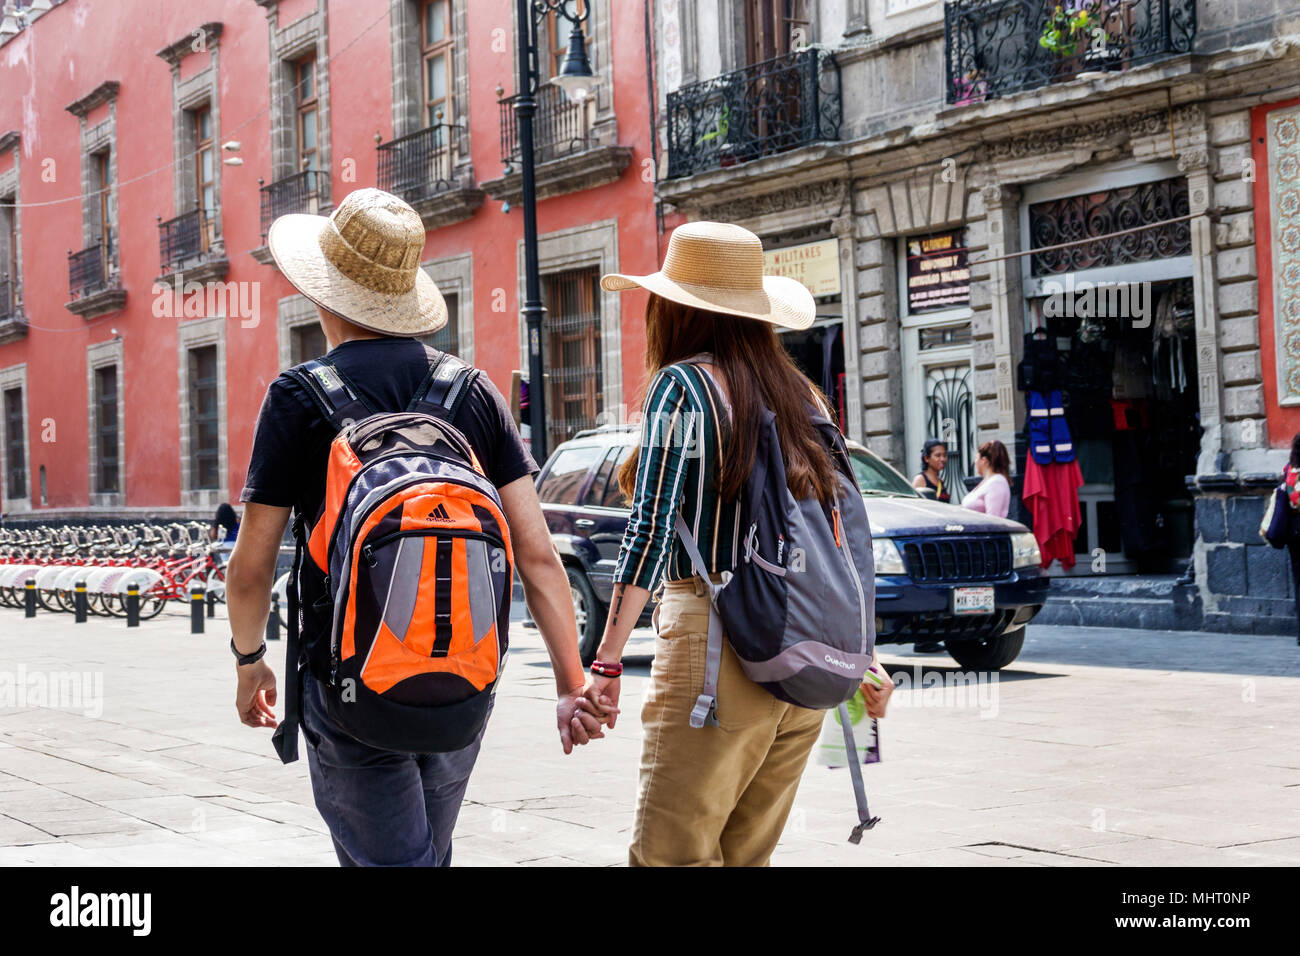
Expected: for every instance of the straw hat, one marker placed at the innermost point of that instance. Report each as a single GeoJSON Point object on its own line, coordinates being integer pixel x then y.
{"type": "Point", "coordinates": [362, 263]}
{"type": "Point", "coordinates": [719, 267]}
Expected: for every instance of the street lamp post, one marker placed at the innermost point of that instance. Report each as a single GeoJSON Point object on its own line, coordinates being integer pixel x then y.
{"type": "Point", "coordinates": [575, 78]}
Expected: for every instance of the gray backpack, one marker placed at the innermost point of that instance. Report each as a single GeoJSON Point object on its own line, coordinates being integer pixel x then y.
{"type": "Point", "coordinates": [799, 607]}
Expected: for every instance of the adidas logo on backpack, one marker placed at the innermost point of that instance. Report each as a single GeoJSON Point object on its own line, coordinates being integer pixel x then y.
{"type": "Point", "coordinates": [419, 567]}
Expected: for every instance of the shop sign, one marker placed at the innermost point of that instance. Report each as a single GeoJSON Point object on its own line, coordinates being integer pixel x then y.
{"type": "Point", "coordinates": [815, 264]}
{"type": "Point", "coordinates": [938, 274]}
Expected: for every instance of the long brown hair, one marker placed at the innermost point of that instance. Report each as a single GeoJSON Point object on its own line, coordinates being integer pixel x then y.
{"type": "Point", "coordinates": [755, 367]}
{"type": "Point", "coordinates": [997, 456]}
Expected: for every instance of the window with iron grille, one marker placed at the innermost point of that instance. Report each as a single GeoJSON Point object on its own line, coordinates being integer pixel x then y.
{"type": "Point", "coordinates": [571, 344]}
{"type": "Point", "coordinates": [306, 342]}
{"type": "Point", "coordinates": [447, 338]}
{"type": "Point", "coordinates": [15, 446]}
{"type": "Point", "coordinates": [106, 415]}
{"type": "Point", "coordinates": [205, 418]}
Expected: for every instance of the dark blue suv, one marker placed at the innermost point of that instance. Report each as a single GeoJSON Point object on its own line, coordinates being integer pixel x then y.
{"type": "Point", "coordinates": [943, 573]}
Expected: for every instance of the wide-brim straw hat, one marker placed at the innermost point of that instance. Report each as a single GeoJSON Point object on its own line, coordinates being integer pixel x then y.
{"type": "Point", "coordinates": [362, 263]}
{"type": "Point", "coordinates": [719, 267]}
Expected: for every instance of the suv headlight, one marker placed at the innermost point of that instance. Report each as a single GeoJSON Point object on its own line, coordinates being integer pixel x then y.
{"type": "Point", "coordinates": [886, 557]}
{"type": "Point", "coordinates": [1024, 550]}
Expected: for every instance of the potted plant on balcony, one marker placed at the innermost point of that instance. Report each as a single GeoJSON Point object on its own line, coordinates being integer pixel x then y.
{"type": "Point", "coordinates": [1068, 28]}
{"type": "Point", "coordinates": [719, 135]}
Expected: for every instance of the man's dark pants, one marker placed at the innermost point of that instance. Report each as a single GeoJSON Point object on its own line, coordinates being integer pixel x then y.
{"type": "Point", "coordinates": [383, 808]}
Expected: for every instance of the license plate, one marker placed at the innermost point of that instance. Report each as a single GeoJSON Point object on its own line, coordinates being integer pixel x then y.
{"type": "Point", "coordinates": [972, 600]}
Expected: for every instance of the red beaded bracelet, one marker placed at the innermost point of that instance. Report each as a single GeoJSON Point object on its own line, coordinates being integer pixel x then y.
{"type": "Point", "coordinates": [606, 670]}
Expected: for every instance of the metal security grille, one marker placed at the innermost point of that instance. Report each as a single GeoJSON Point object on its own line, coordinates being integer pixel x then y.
{"type": "Point", "coordinates": [572, 352]}
{"type": "Point", "coordinates": [106, 468]}
{"type": "Point", "coordinates": [950, 417]}
{"type": "Point", "coordinates": [967, 558]}
{"type": "Point", "coordinates": [560, 128]}
{"type": "Point", "coordinates": [182, 239]}
{"type": "Point", "coordinates": [1097, 215]}
{"type": "Point", "coordinates": [88, 270]}
{"type": "Point", "coordinates": [418, 166]}
{"type": "Point", "coordinates": [204, 418]}
{"type": "Point", "coordinates": [15, 452]}
{"type": "Point", "coordinates": [296, 193]}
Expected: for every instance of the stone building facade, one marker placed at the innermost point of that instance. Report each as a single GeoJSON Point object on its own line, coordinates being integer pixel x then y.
{"type": "Point", "coordinates": [1144, 160]}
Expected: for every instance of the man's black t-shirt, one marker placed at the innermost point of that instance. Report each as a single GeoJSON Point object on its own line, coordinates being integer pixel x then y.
{"type": "Point", "coordinates": [292, 441]}
{"type": "Point", "coordinates": [291, 447]}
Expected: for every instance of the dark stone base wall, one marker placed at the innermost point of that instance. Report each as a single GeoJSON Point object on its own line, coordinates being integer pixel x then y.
{"type": "Point", "coordinates": [1247, 583]}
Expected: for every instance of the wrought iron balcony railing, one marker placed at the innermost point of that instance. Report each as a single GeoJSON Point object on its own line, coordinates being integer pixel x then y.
{"type": "Point", "coordinates": [418, 166]}
{"type": "Point", "coordinates": [183, 239]}
{"type": "Point", "coordinates": [7, 304]}
{"type": "Point", "coordinates": [296, 193]}
{"type": "Point", "coordinates": [769, 107]}
{"type": "Point", "coordinates": [560, 128]}
{"type": "Point", "coordinates": [993, 49]}
{"type": "Point", "coordinates": [89, 270]}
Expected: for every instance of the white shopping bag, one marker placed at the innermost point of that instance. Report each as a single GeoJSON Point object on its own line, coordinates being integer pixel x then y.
{"type": "Point", "coordinates": [866, 735]}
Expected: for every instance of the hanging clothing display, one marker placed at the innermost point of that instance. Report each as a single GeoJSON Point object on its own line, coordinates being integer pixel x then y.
{"type": "Point", "coordinates": [1049, 433]}
{"type": "Point", "coordinates": [1052, 496]}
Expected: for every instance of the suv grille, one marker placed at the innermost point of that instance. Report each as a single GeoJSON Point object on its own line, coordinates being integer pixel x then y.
{"type": "Point", "coordinates": [966, 558]}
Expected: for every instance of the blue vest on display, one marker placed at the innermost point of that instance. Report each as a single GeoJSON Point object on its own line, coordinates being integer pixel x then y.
{"type": "Point", "coordinates": [1049, 435]}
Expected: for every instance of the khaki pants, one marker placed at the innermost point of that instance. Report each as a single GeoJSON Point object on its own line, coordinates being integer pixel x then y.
{"type": "Point", "coordinates": [714, 796]}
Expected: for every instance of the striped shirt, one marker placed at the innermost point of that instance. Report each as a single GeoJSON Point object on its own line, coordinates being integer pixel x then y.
{"type": "Point", "coordinates": [681, 446]}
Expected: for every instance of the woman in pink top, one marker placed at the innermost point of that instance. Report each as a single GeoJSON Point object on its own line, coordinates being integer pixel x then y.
{"type": "Point", "coordinates": [992, 495]}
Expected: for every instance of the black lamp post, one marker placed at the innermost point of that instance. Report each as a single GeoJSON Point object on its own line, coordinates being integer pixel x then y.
{"type": "Point", "coordinates": [575, 78]}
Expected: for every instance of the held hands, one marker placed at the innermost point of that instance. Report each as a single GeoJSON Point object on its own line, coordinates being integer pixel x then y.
{"type": "Point", "coordinates": [580, 720]}
{"type": "Point", "coordinates": [877, 698]}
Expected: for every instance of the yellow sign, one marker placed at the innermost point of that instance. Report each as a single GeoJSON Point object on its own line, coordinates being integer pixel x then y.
{"type": "Point", "coordinates": [815, 264]}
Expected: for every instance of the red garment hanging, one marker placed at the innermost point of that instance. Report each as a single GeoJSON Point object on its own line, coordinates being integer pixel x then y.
{"type": "Point", "coordinates": [1052, 495]}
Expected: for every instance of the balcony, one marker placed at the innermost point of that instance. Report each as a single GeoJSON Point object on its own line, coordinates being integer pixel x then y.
{"type": "Point", "coordinates": [568, 155]}
{"type": "Point", "coordinates": [187, 245]}
{"type": "Point", "coordinates": [993, 49]}
{"type": "Point", "coordinates": [94, 283]}
{"type": "Point", "coordinates": [13, 324]}
{"type": "Point", "coordinates": [770, 107]}
{"type": "Point", "coordinates": [420, 168]}
{"type": "Point", "coordinates": [292, 194]}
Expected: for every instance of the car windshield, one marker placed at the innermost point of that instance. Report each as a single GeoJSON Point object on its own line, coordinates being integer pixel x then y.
{"type": "Point", "coordinates": [876, 478]}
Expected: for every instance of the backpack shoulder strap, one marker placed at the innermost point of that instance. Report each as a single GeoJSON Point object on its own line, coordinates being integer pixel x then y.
{"type": "Point", "coordinates": [337, 400]}
{"type": "Point", "coordinates": [444, 388]}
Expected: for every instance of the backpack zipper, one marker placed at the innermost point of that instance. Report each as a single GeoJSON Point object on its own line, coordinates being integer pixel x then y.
{"type": "Point", "coordinates": [857, 580]}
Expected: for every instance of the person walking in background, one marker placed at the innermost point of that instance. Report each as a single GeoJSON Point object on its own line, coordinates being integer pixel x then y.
{"type": "Point", "coordinates": [992, 495]}
{"type": "Point", "coordinates": [225, 525]}
{"type": "Point", "coordinates": [711, 795]}
{"type": "Point", "coordinates": [934, 458]}
{"type": "Point", "coordinates": [1291, 485]}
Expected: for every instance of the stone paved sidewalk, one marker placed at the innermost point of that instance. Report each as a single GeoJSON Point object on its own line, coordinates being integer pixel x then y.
{"type": "Point", "coordinates": [1098, 747]}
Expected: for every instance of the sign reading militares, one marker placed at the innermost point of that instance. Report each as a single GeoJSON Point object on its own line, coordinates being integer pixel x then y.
{"type": "Point", "coordinates": [938, 276]}
{"type": "Point", "coordinates": [815, 264]}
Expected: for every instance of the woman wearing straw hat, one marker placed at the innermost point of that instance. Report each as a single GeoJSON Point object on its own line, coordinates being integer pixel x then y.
{"type": "Point", "coordinates": [714, 795]}
{"type": "Point", "coordinates": [361, 267]}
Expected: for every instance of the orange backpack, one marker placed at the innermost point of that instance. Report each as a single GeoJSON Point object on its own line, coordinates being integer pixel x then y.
{"type": "Point", "coordinates": [419, 570]}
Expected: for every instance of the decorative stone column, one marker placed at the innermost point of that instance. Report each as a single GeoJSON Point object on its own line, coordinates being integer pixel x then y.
{"type": "Point", "coordinates": [1006, 308]}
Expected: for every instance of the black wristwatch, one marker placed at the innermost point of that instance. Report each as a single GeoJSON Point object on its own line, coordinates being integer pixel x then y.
{"type": "Point", "coordinates": [252, 658]}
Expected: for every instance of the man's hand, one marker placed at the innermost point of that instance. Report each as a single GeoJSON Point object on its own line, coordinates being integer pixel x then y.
{"type": "Point", "coordinates": [576, 721]}
{"type": "Point", "coordinates": [877, 698]}
{"type": "Point", "coordinates": [255, 697]}
{"type": "Point", "coordinates": [601, 694]}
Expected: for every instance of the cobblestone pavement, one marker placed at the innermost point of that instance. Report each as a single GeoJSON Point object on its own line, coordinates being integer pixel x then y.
{"type": "Point", "coordinates": [1098, 747]}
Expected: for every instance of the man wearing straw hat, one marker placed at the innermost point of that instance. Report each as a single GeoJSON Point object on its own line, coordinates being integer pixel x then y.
{"type": "Point", "coordinates": [360, 267]}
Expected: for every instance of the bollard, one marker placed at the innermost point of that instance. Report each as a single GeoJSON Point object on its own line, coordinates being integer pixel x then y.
{"type": "Point", "coordinates": [212, 604]}
{"type": "Point", "coordinates": [196, 610]}
{"type": "Point", "coordinates": [273, 619]}
{"type": "Point", "coordinates": [29, 597]}
{"type": "Point", "coordinates": [79, 601]}
{"type": "Point", "coordinates": [133, 605]}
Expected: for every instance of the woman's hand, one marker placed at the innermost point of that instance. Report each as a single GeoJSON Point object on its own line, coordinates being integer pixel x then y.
{"type": "Point", "coordinates": [601, 695]}
{"type": "Point", "coordinates": [877, 698]}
